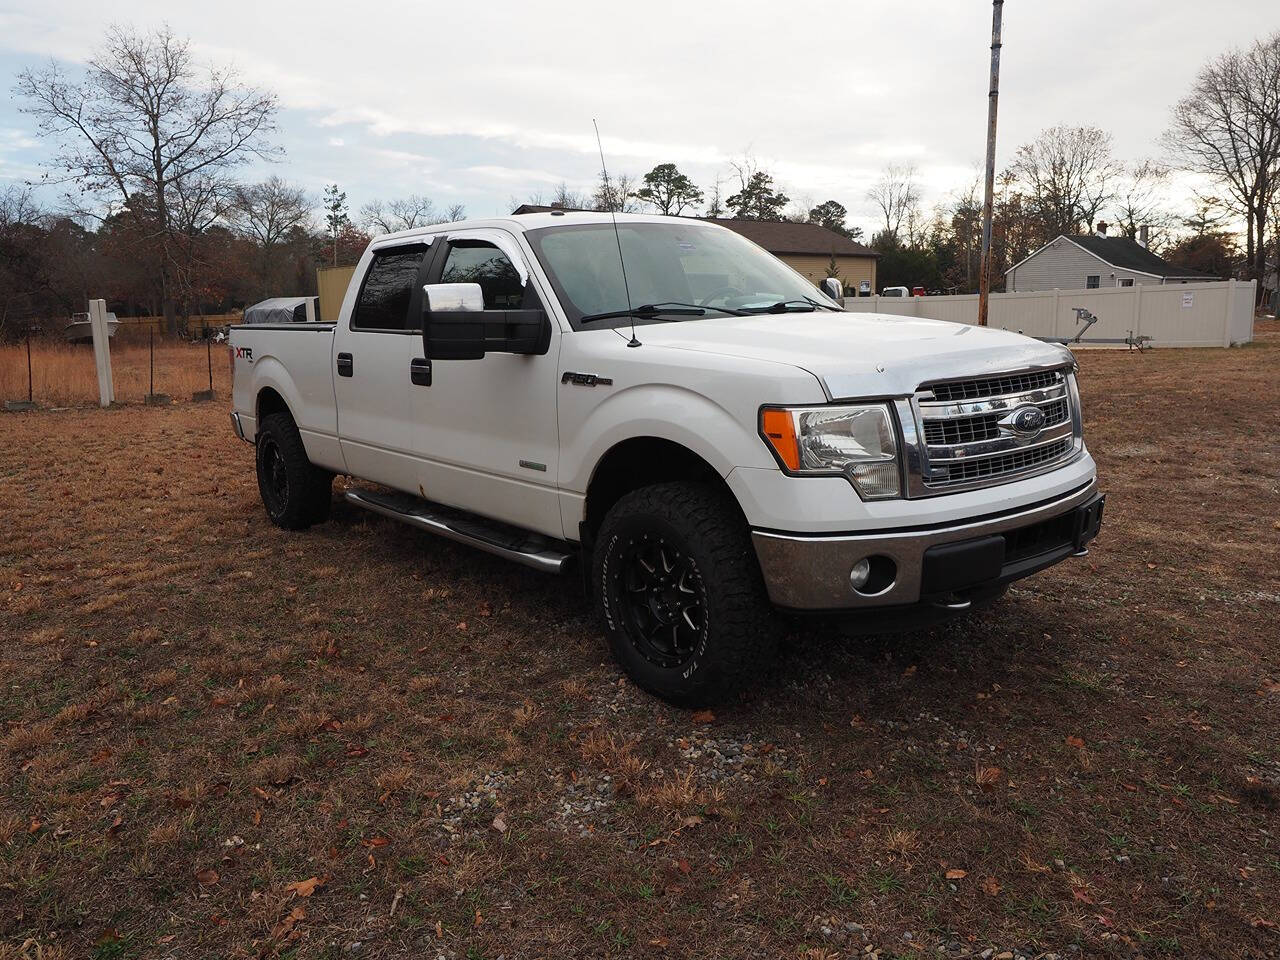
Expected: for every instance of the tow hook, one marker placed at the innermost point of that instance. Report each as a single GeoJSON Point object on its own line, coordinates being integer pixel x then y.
{"type": "Point", "coordinates": [952, 602]}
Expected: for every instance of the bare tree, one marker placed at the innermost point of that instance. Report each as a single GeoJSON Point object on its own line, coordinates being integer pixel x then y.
{"type": "Point", "coordinates": [1139, 201]}
{"type": "Point", "coordinates": [268, 213]}
{"type": "Point", "coordinates": [715, 203]}
{"type": "Point", "coordinates": [897, 196]}
{"type": "Point", "coordinates": [1228, 128]}
{"type": "Point", "coordinates": [1068, 176]}
{"type": "Point", "coordinates": [145, 121]}
{"type": "Point", "coordinates": [562, 196]}
{"type": "Point", "coordinates": [615, 193]}
{"type": "Point", "coordinates": [406, 213]}
{"type": "Point", "coordinates": [198, 202]}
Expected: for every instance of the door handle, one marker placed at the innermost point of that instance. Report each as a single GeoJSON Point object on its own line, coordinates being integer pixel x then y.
{"type": "Point", "coordinates": [420, 371]}
{"type": "Point", "coordinates": [346, 365]}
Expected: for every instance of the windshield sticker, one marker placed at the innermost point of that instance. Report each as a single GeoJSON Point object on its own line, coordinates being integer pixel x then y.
{"type": "Point", "coordinates": [687, 247]}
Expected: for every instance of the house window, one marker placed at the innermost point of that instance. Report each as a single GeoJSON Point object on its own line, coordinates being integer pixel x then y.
{"type": "Point", "coordinates": [1125, 282]}
{"type": "Point", "coordinates": [1091, 281]}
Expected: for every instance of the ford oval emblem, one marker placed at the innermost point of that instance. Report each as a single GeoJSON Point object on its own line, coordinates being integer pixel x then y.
{"type": "Point", "coordinates": [1027, 420]}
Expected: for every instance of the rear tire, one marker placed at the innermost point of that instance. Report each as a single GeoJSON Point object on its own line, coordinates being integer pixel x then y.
{"type": "Point", "coordinates": [679, 589]}
{"type": "Point", "coordinates": [295, 492]}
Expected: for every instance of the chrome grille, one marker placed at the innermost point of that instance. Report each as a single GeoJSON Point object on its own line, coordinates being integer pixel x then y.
{"type": "Point", "coordinates": [994, 386]}
{"type": "Point", "coordinates": [973, 432]}
{"type": "Point", "coordinates": [1001, 464]}
{"type": "Point", "coordinates": [985, 426]}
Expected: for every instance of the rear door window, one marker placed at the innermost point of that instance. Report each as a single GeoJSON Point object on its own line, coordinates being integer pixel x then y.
{"type": "Point", "coordinates": [389, 290]}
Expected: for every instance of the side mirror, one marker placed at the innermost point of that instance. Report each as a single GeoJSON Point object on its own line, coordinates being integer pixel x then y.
{"type": "Point", "coordinates": [456, 326]}
{"type": "Point", "coordinates": [832, 287]}
{"type": "Point", "coordinates": [453, 321]}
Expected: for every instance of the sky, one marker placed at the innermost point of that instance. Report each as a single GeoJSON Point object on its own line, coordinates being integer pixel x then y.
{"type": "Point", "coordinates": [477, 103]}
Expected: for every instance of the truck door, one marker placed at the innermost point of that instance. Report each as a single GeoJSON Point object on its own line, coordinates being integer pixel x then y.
{"type": "Point", "coordinates": [486, 432]}
{"type": "Point", "coordinates": [374, 346]}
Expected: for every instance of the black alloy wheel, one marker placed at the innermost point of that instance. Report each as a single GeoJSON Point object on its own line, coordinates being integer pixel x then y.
{"type": "Point", "coordinates": [664, 601]}
{"type": "Point", "coordinates": [275, 477]}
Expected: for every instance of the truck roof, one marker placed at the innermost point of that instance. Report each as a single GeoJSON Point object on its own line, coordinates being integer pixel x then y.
{"type": "Point", "coordinates": [534, 221]}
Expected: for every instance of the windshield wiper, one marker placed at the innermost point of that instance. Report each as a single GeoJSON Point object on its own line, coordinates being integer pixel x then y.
{"type": "Point", "coordinates": [672, 308]}
{"type": "Point", "coordinates": [784, 306]}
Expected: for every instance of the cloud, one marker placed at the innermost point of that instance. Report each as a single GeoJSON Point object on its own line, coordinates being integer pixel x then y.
{"type": "Point", "coordinates": [479, 107]}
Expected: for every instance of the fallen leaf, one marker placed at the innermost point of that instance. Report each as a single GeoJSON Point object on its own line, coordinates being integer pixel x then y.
{"type": "Point", "coordinates": [957, 874]}
{"type": "Point", "coordinates": [285, 926]}
{"type": "Point", "coordinates": [990, 886]}
{"type": "Point", "coordinates": [440, 929]}
{"type": "Point", "coordinates": [683, 866]}
{"type": "Point", "coordinates": [304, 888]}
{"type": "Point", "coordinates": [376, 842]}
{"type": "Point", "coordinates": [988, 776]}
{"type": "Point", "coordinates": [499, 824]}
{"type": "Point", "coordinates": [1075, 742]}
{"type": "Point", "coordinates": [207, 877]}
{"type": "Point", "coordinates": [703, 716]}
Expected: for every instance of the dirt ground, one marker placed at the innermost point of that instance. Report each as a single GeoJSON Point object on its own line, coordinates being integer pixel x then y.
{"type": "Point", "coordinates": [220, 739]}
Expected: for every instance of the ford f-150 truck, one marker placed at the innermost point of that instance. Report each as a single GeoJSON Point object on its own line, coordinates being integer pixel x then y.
{"type": "Point", "coordinates": [712, 438]}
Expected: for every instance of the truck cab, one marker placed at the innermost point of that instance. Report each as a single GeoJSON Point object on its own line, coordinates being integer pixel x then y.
{"type": "Point", "coordinates": [663, 405]}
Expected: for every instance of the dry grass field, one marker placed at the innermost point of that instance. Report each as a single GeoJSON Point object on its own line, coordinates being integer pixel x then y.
{"type": "Point", "coordinates": [63, 374]}
{"type": "Point", "coordinates": [218, 739]}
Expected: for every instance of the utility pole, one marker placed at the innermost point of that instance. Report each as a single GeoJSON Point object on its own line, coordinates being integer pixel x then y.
{"type": "Point", "coordinates": [988, 196]}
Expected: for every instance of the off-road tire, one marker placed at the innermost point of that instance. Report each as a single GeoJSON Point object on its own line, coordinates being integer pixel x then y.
{"type": "Point", "coordinates": [295, 492]}
{"type": "Point", "coordinates": [739, 630]}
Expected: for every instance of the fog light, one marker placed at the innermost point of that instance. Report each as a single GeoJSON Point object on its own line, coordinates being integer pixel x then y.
{"type": "Point", "coordinates": [860, 574]}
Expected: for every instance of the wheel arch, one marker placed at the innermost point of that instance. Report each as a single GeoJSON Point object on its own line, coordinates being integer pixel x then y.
{"type": "Point", "coordinates": [268, 401]}
{"type": "Point", "coordinates": [643, 461]}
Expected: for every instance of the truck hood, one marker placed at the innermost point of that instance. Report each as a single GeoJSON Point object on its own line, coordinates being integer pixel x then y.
{"type": "Point", "coordinates": [861, 354]}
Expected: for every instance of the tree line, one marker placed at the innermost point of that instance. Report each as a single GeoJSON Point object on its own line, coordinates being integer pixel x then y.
{"type": "Point", "coordinates": [148, 145]}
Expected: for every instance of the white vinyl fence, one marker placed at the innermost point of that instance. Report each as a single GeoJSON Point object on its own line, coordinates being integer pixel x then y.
{"type": "Point", "coordinates": [1217, 314]}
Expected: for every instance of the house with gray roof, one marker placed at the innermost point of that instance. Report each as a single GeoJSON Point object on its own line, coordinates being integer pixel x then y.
{"type": "Point", "coordinates": [1094, 261]}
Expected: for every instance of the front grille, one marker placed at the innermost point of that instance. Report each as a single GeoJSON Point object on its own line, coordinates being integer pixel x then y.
{"type": "Point", "coordinates": [995, 386]}
{"type": "Point", "coordinates": [1000, 465]}
{"type": "Point", "coordinates": [969, 435]}
{"type": "Point", "coordinates": [985, 426]}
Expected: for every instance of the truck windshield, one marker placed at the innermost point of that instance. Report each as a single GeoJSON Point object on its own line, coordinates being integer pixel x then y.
{"type": "Point", "coordinates": [667, 263]}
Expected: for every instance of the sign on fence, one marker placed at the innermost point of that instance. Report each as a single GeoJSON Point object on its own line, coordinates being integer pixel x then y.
{"type": "Point", "coordinates": [102, 351]}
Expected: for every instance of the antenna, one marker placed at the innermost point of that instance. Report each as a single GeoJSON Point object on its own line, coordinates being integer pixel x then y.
{"type": "Point", "coordinates": [633, 342]}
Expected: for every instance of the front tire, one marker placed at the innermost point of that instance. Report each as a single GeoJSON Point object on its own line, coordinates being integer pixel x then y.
{"type": "Point", "coordinates": [680, 592]}
{"type": "Point", "coordinates": [295, 492]}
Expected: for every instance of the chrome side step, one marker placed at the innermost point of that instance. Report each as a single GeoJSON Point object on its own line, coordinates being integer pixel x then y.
{"type": "Point", "coordinates": [531, 549]}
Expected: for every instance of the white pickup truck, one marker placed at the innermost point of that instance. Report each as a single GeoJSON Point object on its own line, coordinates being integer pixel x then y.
{"type": "Point", "coordinates": [711, 438]}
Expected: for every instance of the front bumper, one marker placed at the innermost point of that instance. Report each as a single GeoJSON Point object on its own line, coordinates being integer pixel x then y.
{"type": "Point", "coordinates": [932, 563]}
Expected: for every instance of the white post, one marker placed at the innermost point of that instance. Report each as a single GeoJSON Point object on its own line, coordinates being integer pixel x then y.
{"type": "Point", "coordinates": [1226, 320]}
{"type": "Point", "coordinates": [1053, 324]}
{"type": "Point", "coordinates": [1137, 309]}
{"type": "Point", "coordinates": [102, 351]}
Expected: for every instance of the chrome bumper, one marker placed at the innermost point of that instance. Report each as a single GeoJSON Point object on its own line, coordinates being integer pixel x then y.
{"type": "Point", "coordinates": [812, 573]}
{"type": "Point", "coordinates": [238, 427]}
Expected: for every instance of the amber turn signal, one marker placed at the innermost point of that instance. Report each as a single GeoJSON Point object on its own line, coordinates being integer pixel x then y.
{"type": "Point", "coordinates": [779, 428]}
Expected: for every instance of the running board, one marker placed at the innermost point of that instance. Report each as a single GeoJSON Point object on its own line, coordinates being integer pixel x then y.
{"type": "Point", "coordinates": [503, 540]}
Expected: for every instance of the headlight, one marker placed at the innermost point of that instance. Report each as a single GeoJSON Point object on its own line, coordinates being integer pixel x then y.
{"type": "Point", "coordinates": [857, 442]}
